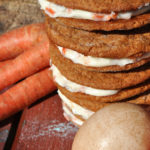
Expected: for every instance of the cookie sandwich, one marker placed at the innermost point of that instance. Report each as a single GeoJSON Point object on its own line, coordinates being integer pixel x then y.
{"type": "Point", "coordinates": [99, 15]}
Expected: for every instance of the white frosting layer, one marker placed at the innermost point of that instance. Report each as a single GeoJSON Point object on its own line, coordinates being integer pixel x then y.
{"type": "Point", "coordinates": [92, 61]}
{"type": "Point", "coordinates": [76, 109]}
{"type": "Point", "coordinates": [54, 10]}
{"type": "Point", "coordinates": [70, 117]}
{"type": "Point", "coordinates": [74, 87]}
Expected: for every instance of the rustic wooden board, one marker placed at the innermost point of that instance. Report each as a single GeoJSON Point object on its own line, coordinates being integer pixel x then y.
{"type": "Point", "coordinates": [43, 127]}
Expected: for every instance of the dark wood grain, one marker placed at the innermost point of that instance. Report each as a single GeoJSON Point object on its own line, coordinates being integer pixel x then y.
{"type": "Point", "coordinates": [45, 128]}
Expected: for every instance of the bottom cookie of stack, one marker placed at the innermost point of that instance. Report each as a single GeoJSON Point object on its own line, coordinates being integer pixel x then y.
{"type": "Point", "coordinates": [74, 112]}
{"type": "Point", "coordinates": [78, 114]}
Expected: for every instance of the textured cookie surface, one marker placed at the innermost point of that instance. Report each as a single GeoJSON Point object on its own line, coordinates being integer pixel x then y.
{"type": "Point", "coordinates": [107, 45]}
{"type": "Point", "coordinates": [121, 24]}
{"type": "Point", "coordinates": [143, 99]}
{"type": "Point", "coordinates": [134, 95]}
{"type": "Point", "coordinates": [101, 5]}
{"type": "Point", "coordinates": [97, 80]}
{"type": "Point", "coordinates": [102, 44]}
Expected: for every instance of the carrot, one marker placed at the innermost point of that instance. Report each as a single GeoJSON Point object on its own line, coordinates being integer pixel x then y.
{"type": "Point", "coordinates": [25, 93]}
{"type": "Point", "coordinates": [16, 41]}
{"type": "Point", "coordinates": [51, 11]}
{"type": "Point", "coordinates": [3, 63]}
{"type": "Point", "coordinates": [25, 64]}
{"type": "Point", "coordinates": [5, 89]}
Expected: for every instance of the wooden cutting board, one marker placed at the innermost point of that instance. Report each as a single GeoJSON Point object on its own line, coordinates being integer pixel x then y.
{"type": "Point", "coordinates": [43, 127]}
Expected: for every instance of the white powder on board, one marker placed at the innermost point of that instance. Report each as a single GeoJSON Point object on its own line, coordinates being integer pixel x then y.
{"type": "Point", "coordinates": [51, 129]}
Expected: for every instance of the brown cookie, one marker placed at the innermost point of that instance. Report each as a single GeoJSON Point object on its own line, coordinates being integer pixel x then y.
{"type": "Point", "coordinates": [81, 41]}
{"type": "Point", "coordinates": [101, 5]}
{"type": "Point", "coordinates": [147, 108]}
{"type": "Point", "coordinates": [78, 40]}
{"type": "Point", "coordinates": [97, 80]}
{"type": "Point", "coordinates": [97, 106]}
{"type": "Point", "coordinates": [91, 105]}
{"type": "Point", "coordinates": [100, 44]}
{"type": "Point", "coordinates": [120, 24]}
{"type": "Point", "coordinates": [144, 99]}
{"type": "Point", "coordinates": [69, 118]}
{"type": "Point", "coordinates": [94, 103]}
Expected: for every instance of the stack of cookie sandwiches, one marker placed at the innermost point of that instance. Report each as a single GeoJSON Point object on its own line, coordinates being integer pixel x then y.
{"type": "Point", "coordinates": [100, 53]}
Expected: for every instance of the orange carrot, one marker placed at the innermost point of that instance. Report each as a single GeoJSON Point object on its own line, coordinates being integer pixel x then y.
{"type": "Point", "coordinates": [16, 41]}
{"type": "Point", "coordinates": [3, 63]}
{"type": "Point", "coordinates": [25, 93]}
{"type": "Point", "coordinates": [25, 64]}
{"type": "Point", "coordinates": [5, 89]}
{"type": "Point", "coordinates": [51, 11]}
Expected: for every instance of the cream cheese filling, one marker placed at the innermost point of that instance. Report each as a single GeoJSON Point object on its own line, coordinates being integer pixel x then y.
{"type": "Point", "coordinates": [76, 109]}
{"type": "Point", "coordinates": [54, 10]}
{"type": "Point", "coordinates": [78, 58]}
{"type": "Point", "coordinates": [70, 117]}
{"type": "Point", "coordinates": [74, 87]}
{"type": "Point", "coordinates": [91, 61]}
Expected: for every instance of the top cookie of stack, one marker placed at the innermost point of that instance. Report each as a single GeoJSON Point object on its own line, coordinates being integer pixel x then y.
{"type": "Point", "coordinates": [98, 14]}
{"type": "Point", "coordinates": [98, 50]}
